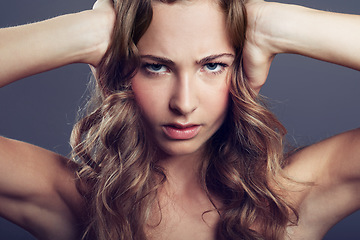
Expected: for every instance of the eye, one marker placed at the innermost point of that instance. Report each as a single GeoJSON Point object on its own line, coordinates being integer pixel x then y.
{"type": "Point", "coordinates": [155, 68]}
{"type": "Point", "coordinates": [215, 68]}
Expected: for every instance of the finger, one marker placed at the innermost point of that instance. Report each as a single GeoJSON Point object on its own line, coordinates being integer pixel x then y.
{"type": "Point", "coordinates": [104, 4]}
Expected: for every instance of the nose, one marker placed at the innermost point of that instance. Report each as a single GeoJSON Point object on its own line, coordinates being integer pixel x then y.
{"type": "Point", "coordinates": [184, 99]}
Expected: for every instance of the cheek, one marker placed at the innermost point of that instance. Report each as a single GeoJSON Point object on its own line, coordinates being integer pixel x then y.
{"type": "Point", "coordinates": [142, 94]}
{"type": "Point", "coordinates": [223, 94]}
{"type": "Point", "coordinates": [219, 100]}
{"type": "Point", "coordinates": [147, 98]}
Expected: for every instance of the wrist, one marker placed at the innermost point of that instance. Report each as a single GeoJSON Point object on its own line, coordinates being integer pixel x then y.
{"type": "Point", "coordinates": [94, 29]}
{"type": "Point", "coordinates": [277, 27]}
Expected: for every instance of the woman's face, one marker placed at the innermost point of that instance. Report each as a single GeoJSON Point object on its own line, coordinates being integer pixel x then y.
{"type": "Point", "coordinates": [183, 86]}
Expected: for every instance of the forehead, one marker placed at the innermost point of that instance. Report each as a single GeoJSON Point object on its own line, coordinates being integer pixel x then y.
{"type": "Point", "coordinates": [196, 27]}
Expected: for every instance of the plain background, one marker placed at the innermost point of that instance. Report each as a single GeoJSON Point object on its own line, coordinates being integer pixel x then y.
{"type": "Point", "coordinates": [313, 99]}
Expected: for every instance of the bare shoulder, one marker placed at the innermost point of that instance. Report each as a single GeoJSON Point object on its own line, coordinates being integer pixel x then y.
{"type": "Point", "coordinates": [332, 167]}
{"type": "Point", "coordinates": [38, 190]}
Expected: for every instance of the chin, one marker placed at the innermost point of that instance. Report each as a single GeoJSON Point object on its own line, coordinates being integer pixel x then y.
{"type": "Point", "coordinates": [180, 149]}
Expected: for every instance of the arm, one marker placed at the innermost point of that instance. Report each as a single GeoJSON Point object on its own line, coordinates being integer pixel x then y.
{"type": "Point", "coordinates": [276, 28]}
{"type": "Point", "coordinates": [74, 38]}
{"type": "Point", "coordinates": [332, 165]}
{"type": "Point", "coordinates": [37, 187]}
{"type": "Point", "coordinates": [38, 192]}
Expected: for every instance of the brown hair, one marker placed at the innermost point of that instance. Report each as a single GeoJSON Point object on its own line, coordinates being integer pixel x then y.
{"type": "Point", "coordinates": [118, 174]}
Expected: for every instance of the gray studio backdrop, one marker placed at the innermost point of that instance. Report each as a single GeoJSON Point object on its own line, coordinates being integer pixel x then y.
{"type": "Point", "coordinates": [313, 99]}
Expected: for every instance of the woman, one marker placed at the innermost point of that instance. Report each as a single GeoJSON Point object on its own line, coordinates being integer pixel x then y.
{"type": "Point", "coordinates": [180, 140]}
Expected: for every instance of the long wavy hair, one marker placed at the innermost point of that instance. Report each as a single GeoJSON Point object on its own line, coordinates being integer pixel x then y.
{"type": "Point", "coordinates": [117, 170]}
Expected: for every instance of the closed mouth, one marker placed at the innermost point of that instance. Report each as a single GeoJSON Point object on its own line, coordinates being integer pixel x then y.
{"type": "Point", "coordinates": [181, 132]}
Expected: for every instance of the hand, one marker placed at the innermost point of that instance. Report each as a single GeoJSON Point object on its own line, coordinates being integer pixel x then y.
{"type": "Point", "coordinates": [257, 53]}
{"type": "Point", "coordinates": [103, 10]}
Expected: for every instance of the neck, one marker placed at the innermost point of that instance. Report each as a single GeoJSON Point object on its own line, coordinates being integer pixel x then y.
{"type": "Point", "coordinates": [182, 173]}
{"type": "Point", "coordinates": [183, 187]}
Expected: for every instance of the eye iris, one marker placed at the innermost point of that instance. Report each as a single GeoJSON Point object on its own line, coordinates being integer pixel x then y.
{"type": "Point", "coordinates": [212, 66]}
{"type": "Point", "coordinates": [156, 67]}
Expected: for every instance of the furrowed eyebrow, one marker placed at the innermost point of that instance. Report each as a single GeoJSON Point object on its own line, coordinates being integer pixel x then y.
{"type": "Point", "coordinates": [169, 62]}
{"type": "Point", "coordinates": [161, 60]}
{"type": "Point", "coordinates": [213, 57]}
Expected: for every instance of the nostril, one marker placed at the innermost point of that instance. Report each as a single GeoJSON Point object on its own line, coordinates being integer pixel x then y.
{"type": "Point", "coordinates": [182, 108]}
{"type": "Point", "coordinates": [176, 111]}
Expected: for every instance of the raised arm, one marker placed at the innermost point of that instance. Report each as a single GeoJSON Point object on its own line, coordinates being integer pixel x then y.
{"type": "Point", "coordinates": [332, 165]}
{"type": "Point", "coordinates": [276, 28]}
{"type": "Point", "coordinates": [30, 49]}
{"type": "Point", "coordinates": [37, 187]}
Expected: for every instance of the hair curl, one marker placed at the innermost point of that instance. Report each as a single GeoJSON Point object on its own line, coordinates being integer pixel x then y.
{"type": "Point", "coordinates": [118, 174]}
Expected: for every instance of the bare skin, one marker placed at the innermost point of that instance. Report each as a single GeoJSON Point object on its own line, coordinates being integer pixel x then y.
{"type": "Point", "coordinates": [333, 165]}
{"type": "Point", "coordinates": [50, 197]}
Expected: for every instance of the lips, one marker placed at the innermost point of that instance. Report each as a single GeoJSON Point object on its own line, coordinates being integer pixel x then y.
{"type": "Point", "coordinates": [181, 132]}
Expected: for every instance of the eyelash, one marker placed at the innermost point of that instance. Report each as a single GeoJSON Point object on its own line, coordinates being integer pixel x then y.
{"type": "Point", "coordinates": [222, 65]}
{"type": "Point", "coordinates": [146, 67]}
